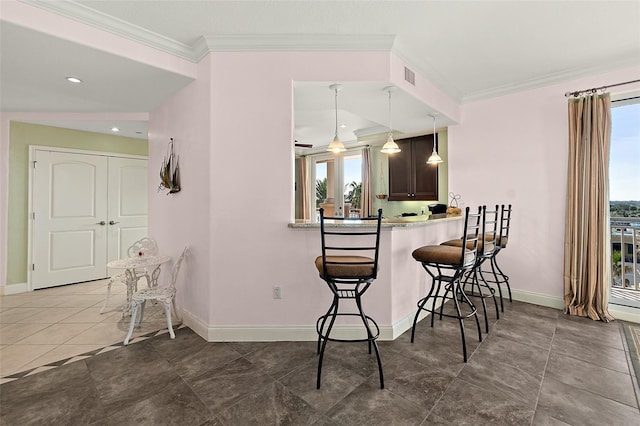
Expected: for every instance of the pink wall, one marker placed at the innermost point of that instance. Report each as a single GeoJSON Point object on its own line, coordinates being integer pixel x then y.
{"type": "Point", "coordinates": [242, 201]}
{"type": "Point", "coordinates": [182, 219]}
{"type": "Point", "coordinates": [513, 149]}
{"type": "Point", "coordinates": [252, 174]}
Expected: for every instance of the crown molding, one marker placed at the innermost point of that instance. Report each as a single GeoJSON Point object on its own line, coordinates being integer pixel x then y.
{"type": "Point", "coordinates": [86, 15]}
{"type": "Point", "coordinates": [293, 43]}
{"type": "Point", "coordinates": [219, 43]}
{"type": "Point", "coordinates": [553, 78]}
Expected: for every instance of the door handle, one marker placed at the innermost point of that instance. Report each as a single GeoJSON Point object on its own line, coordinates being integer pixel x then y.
{"type": "Point", "coordinates": [112, 222]}
{"type": "Point", "coordinates": [102, 222]}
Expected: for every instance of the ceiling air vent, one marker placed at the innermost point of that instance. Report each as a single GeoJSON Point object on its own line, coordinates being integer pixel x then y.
{"type": "Point", "coordinates": [409, 76]}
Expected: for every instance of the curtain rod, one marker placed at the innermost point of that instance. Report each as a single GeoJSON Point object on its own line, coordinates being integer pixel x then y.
{"type": "Point", "coordinates": [596, 89]}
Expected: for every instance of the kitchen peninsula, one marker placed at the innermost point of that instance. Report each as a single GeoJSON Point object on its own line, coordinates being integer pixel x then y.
{"type": "Point", "coordinates": [401, 281]}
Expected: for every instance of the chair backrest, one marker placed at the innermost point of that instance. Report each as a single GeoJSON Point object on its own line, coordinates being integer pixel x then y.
{"type": "Point", "coordinates": [489, 231]}
{"type": "Point", "coordinates": [470, 236]}
{"type": "Point", "coordinates": [176, 268]}
{"type": "Point", "coordinates": [505, 223]}
{"type": "Point", "coordinates": [360, 237]}
{"type": "Point", "coordinates": [143, 247]}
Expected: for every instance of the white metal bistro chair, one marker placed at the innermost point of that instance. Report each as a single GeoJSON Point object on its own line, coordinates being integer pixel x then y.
{"type": "Point", "coordinates": [141, 248]}
{"type": "Point", "coordinates": [164, 294]}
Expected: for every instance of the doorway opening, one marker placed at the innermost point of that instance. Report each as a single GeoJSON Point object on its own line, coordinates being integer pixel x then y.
{"type": "Point", "coordinates": [624, 205]}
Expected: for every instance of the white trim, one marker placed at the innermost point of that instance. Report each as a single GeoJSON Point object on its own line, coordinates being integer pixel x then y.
{"type": "Point", "coordinates": [195, 324]}
{"type": "Point", "coordinates": [295, 43]}
{"type": "Point", "coordinates": [275, 333]}
{"type": "Point", "coordinates": [83, 151]}
{"type": "Point", "coordinates": [550, 79]}
{"type": "Point", "coordinates": [221, 43]}
{"type": "Point", "coordinates": [86, 15]}
{"type": "Point", "coordinates": [18, 288]}
{"type": "Point", "coordinates": [533, 298]}
{"type": "Point", "coordinates": [625, 313]}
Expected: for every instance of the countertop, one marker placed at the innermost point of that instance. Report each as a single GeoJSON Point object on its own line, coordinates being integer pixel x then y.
{"type": "Point", "coordinates": [391, 222]}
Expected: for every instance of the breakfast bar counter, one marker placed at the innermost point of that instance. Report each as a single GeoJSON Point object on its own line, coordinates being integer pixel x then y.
{"type": "Point", "coordinates": [391, 222]}
{"type": "Point", "coordinates": [401, 280]}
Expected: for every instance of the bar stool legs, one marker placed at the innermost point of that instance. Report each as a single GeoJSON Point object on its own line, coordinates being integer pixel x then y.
{"type": "Point", "coordinates": [332, 314]}
{"type": "Point", "coordinates": [454, 287]}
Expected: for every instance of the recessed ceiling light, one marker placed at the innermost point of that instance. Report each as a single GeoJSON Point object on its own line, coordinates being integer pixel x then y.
{"type": "Point", "coordinates": [115, 129]}
{"type": "Point", "coordinates": [74, 80]}
{"type": "Point", "coordinates": [342, 126]}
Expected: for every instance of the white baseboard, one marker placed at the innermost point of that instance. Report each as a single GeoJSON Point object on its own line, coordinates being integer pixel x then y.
{"type": "Point", "coordinates": [625, 313]}
{"type": "Point", "coordinates": [534, 298]}
{"type": "Point", "coordinates": [13, 289]}
{"type": "Point", "coordinates": [274, 333]}
{"type": "Point", "coordinates": [280, 333]}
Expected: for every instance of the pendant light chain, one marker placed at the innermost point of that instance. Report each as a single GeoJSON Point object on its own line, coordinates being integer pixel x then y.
{"type": "Point", "coordinates": [390, 116]}
{"type": "Point", "coordinates": [435, 157]}
{"type": "Point", "coordinates": [336, 146]}
{"type": "Point", "coordinates": [336, 108]}
{"type": "Point", "coordinates": [390, 147]}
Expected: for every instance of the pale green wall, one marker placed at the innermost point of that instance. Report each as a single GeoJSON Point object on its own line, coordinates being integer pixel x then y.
{"type": "Point", "coordinates": [394, 208]}
{"type": "Point", "coordinates": [21, 136]}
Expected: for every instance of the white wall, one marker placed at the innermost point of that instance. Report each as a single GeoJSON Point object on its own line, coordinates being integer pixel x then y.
{"type": "Point", "coordinates": [513, 149]}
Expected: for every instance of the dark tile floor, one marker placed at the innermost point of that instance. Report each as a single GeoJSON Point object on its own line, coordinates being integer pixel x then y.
{"type": "Point", "coordinates": [535, 367]}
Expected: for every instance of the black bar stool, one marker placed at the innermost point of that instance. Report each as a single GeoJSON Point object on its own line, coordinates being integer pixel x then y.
{"type": "Point", "coordinates": [456, 260]}
{"type": "Point", "coordinates": [349, 264]}
{"type": "Point", "coordinates": [499, 277]}
{"type": "Point", "coordinates": [486, 247]}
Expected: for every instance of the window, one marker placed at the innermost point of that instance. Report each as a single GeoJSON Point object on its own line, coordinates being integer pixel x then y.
{"type": "Point", "coordinates": [337, 183]}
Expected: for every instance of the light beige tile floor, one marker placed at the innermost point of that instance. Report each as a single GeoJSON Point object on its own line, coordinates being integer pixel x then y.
{"type": "Point", "coordinates": [45, 326]}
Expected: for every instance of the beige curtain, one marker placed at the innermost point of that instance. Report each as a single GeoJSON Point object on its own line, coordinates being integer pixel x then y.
{"type": "Point", "coordinates": [303, 189]}
{"type": "Point", "coordinates": [366, 196]}
{"type": "Point", "coordinates": [587, 249]}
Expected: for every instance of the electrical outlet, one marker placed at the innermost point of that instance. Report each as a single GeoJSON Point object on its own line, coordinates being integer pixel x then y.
{"type": "Point", "coordinates": [277, 292]}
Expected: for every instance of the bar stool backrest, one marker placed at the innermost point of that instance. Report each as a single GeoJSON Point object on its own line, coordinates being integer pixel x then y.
{"type": "Point", "coordinates": [489, 231]}
{"type": "Point", "coordinates": [470, 237]}
{"type": "Point", "coordinates": [341, 244]}
{"type": "Point", "coordinates": [505, 223]}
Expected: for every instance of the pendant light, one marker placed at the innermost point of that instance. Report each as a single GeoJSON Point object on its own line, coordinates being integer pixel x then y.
{"type": "Point", "coordinates": [434, 158]}
{"type": "Point", "coordinates": [336, 145]}
{"type": "Point", "coordinates": [390, 147]}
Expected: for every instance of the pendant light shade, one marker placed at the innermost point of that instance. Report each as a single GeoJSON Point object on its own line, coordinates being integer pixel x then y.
{"type": "Point", "coordinates": [434, 158]}
{"type": "Point", "coordinates": [390, 147]}
{"type": "Point", "coordinates": [336, 146]}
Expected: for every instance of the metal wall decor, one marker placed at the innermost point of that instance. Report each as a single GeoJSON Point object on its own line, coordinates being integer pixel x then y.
{"type": "Point", "coordinates": [170, 172]}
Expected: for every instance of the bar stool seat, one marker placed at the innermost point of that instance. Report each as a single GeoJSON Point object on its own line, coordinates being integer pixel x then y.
{"type": "Point", "coordinates": [346, 266]}
{"type": "Point", "coordinates": [447, 254]}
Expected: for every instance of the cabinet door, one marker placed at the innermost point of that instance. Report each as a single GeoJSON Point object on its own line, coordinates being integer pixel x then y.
{"type": "Point", "coordinates": [426, 175]}
{"type": "Point", "coordinates": [400, 173]}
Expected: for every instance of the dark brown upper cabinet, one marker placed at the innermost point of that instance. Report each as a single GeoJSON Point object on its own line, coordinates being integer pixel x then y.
{"type": "Point", "coordinates": [410, 177]}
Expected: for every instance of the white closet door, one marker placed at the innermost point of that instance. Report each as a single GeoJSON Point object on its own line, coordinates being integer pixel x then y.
{"type": "Point", "coordinates": [70, 207]}
{"type": "Point", "coordinates": [128, 192]}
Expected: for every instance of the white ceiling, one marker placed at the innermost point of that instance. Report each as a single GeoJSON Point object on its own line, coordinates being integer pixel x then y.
{"type": "Point", "coordinates": [470, 49]}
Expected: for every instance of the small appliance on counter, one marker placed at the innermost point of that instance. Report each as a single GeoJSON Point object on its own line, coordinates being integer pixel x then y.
{"type": "Point", "coordinates": [438, 211]}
